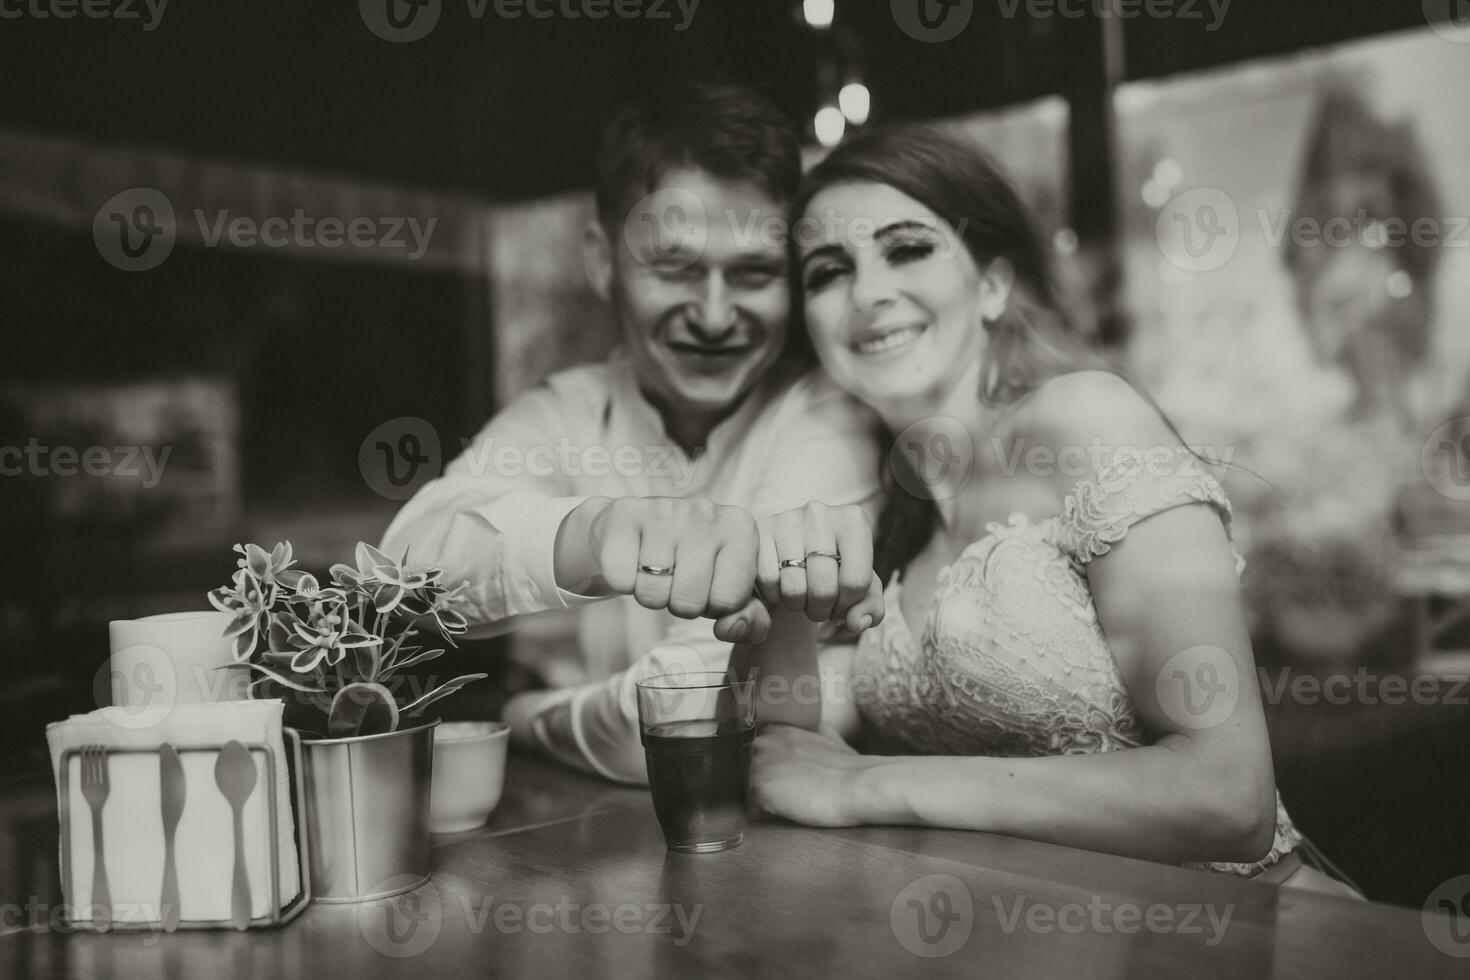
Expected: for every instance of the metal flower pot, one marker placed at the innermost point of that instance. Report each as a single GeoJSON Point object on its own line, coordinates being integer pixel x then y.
{"type": "Point", "coordinates": [367, 813]}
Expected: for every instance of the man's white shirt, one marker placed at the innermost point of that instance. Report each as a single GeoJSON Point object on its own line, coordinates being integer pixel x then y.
{"type": "Point", "coordinates": [491, 519]}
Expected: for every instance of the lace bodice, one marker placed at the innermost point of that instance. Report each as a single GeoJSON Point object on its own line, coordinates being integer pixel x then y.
{"type": "Point", "coordinates": [1011, 659]}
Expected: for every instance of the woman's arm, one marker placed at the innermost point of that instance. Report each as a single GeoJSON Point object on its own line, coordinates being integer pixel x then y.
{"type": "Point", "coordinates": [799, 681]}
{"type": "Point", "coordinates": [1168, 601]}
{"type": "Point", "coordinates": [837, 584]}
{"type": "Point", "coordinates": [1198, 794]}
{"type": "Point", "coordinates": [783, 667]}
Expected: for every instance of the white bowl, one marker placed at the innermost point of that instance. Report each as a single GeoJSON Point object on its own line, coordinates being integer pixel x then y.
{"type": "Point", "coordinates": [469, 774]}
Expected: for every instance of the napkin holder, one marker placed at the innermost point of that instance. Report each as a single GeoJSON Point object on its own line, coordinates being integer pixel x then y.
{"type": "Point", "coordinates": [279, 915]}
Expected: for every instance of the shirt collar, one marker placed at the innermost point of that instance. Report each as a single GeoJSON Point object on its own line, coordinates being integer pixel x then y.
{"type": "Point", "coordinates": [626, 398]}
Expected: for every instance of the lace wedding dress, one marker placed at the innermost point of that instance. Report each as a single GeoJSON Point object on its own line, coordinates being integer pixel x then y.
{"type": "Point", "coordinates": [1010, 659]}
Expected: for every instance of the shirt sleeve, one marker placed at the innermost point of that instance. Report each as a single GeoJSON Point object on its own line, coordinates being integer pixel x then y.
{"type": "Point", "coordinates": [824, 446]}
{"type": "Point", "coordinates": [594, 727]}
{"type": "Point", "coordinates": [491, 518]}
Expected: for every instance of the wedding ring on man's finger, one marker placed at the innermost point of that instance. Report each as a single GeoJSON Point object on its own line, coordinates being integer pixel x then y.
{"type": "Point", "coordinates": [793, 563]}
{"type": "Point", "coordinates": [663, 570]}
{"type": "Point", "coordinates": [825, 554]}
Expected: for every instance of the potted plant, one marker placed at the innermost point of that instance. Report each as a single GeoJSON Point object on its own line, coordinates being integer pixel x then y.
{"type": "Point", "coordinates": [332, 653]}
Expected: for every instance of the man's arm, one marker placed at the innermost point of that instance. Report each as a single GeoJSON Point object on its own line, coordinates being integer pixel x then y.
{"type": "Point", "coordinates": [594, 727]}
{"type": "Point", "coordinates": [491, 519]}
{"type": "Point", "coordinates": [822, 446]}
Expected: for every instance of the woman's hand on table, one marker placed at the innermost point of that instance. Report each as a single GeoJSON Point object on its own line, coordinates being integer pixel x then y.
{"type": "Point", "coordinates": [805, 776]}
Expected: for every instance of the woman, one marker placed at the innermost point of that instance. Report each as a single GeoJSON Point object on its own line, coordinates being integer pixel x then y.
{"type": "Point", "coordinates": [1064, 654]}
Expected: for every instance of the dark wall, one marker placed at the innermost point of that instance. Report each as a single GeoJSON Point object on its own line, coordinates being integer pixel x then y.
{"type": "Point", "coordinates": [511, 108]}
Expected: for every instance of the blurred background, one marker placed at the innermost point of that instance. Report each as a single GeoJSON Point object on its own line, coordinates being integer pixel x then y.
{"type": "Point", "coordinates": [1262, 203]}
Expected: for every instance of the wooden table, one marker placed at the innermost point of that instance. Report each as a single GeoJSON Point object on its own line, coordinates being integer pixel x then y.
{"type": "Point", "coordinates": [571, 879]}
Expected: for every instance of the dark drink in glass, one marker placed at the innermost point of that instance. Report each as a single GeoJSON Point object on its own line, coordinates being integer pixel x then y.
{"type": "Point", "coordinates": [697, 732]}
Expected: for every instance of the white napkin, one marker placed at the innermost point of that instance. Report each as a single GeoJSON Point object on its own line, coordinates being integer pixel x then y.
{"type": "Point", "coordinates": [132, 818]}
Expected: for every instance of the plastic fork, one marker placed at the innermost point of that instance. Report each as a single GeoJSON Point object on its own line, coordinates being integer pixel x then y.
{"type": "Point", "coordinates": [95, 786]}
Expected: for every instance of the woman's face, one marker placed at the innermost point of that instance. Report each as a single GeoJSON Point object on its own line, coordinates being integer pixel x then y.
{"type": "Point", "coordinates": [893, 298]}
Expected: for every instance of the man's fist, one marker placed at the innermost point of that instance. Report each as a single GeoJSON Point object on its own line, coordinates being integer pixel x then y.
{"type": "Point", "coordinates": [689, 555]}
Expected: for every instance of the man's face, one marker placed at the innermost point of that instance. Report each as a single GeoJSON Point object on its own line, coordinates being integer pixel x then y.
{"type": "Point", "coordinates": [699, 282]}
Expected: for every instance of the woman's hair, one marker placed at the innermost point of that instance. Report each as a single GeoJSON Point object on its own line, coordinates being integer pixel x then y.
{"type": "Point", "coordinates": [1033, 340]}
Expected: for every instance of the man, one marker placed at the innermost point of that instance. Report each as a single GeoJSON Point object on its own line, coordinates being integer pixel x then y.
{"type": "Point", "coordinates": [705, 418]}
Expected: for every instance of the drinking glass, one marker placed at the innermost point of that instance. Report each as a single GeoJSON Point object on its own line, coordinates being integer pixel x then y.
{"type": "Point", "coordinates": [697, 731]}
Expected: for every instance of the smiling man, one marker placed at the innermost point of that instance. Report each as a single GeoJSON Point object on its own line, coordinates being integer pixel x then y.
{"type": "Point", "coordinates": [710, 415]}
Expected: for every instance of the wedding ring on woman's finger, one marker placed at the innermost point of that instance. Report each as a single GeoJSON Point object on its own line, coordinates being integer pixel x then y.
{"type": "Point", "coordinates": [793, 563]}
{"type": "Point", "coordinates": [663, 570]}
{"type": "Point", "coordinates": [825, 554]}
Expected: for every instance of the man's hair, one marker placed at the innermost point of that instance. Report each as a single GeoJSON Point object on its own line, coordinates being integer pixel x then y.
{"type": "Point", "coordinates": [730, 132]}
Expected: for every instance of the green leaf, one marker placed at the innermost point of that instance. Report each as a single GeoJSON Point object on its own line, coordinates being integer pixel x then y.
{"type": "Point", "coordinates": [286, 681]}
{"type": "Point", "coordinates": [442, 691]}
{"type": "Point", "coordinates": [362, 709]}
{"type": "Point", "coordinates": [417, 658]}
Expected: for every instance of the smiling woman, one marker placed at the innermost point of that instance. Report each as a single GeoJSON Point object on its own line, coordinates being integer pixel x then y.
{"type": "Point", "coordinates": [1048, 632]}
